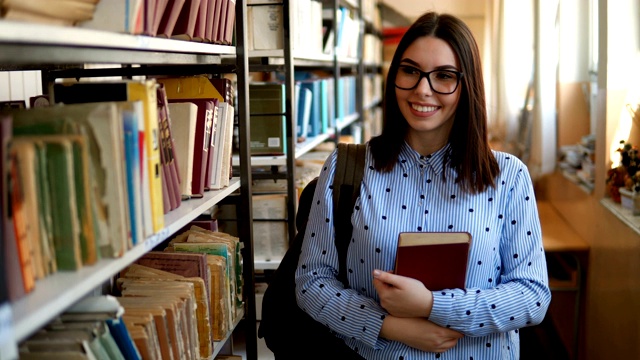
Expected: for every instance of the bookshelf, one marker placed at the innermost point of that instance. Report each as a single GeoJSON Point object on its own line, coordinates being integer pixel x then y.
{"type": "Point", "coordinates": [48, 299]}
{"type": "Point", "coordinates": [285, 62]}
{"type": "Point", "coordinates": [290, 59]}
{"type": "Point", "coordinates": [28, 46]}
{"type": "Point", "coordinates": [370, 68]}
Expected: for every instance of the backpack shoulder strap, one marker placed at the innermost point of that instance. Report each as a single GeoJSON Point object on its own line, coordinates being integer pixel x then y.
{"type": "Point", "coordinates": [346, 189]}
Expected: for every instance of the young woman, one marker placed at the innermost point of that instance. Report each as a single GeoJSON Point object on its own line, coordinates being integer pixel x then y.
{"type": "Point", "coordinates": [431, 170]}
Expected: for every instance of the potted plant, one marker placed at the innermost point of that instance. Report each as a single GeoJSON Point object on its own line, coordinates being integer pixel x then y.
{"type": "Point", "coordinates": [623, 181]}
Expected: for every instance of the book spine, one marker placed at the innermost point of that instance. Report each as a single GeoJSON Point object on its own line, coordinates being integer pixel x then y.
{"type": "Point", "coordinates": [210, 153]}
{"type": "Point", "coordinates": [167, 145]}
{"type": "Point", "coordinates": [230, 20]}
{"type": "Point", "coordinates": [201, 146]}
{"type": "Point", "coordinates": [200, 32]}
{"type": "Point", "coordinates": [170, 18]}
{"type": "Point", "coordinates": [133, 175]}
{"type": "Point", "coordinates": [186, 24]}
{"type": "Point", "coordinates": [146, 92]}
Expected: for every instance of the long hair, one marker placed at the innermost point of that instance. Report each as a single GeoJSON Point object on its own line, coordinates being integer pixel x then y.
{"type": "Point", "coordinates": [470, 155]}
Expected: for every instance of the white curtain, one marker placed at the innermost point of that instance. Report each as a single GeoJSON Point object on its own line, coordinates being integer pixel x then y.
{"type": "Point", "coordinates": [509, 67]}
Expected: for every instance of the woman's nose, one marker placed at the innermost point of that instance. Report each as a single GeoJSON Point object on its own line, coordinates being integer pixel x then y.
{"type": "Point", "coordinates": [424, 87]}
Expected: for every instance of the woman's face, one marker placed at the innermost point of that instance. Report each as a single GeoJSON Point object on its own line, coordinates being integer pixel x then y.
{"type": "Point", "coordinates": [429, 114]}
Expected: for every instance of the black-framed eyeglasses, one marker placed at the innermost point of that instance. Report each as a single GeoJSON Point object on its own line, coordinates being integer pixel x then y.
{"type": "Point", "coordinates": [441, 81]}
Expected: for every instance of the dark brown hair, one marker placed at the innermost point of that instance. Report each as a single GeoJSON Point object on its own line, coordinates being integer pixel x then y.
{"type": "Point", "coordinates": [470, 153]}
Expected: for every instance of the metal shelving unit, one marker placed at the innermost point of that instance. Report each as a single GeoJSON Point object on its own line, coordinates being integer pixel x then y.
{"type": "Point", "coordinates": [286, 61]}
{"type": "Point", "coordinates": [50, 48]}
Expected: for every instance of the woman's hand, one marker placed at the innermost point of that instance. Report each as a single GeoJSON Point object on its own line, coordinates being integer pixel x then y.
{"type": "Point", "coordinates": [402, 296]}
{"type": "Point", "coordinates": [419, 333]}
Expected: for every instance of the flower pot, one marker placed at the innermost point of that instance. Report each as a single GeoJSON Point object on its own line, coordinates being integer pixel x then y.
{"type": "Point", "coordinates": [630, 200]}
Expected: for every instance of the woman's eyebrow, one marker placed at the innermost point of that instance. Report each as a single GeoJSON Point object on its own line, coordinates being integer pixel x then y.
{"type": "Point", "coordinates": [408, 61]}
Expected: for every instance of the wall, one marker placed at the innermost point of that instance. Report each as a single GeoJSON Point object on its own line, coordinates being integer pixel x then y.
{"type": "Point", "coordinates": [573, 112]}
{"type": "Point", "coordinates": [612, 314]}
{"type": "Point", "coordinates": [613, 293]}
{"type": "Point", "coordinates": [573, 72]}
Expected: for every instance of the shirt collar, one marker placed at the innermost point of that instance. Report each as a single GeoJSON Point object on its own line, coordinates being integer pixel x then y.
{"type": "Point", "coordinates": [409, 157]}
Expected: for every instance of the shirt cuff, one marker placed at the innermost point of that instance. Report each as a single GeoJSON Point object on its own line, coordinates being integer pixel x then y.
{"type": "Point", "coordinates": [442, 305]}
{"type": "Point", "coordinates": [371, 337]}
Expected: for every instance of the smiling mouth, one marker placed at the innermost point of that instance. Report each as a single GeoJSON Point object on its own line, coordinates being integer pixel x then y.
{"type": "Point", "coordinates": [421, 108]}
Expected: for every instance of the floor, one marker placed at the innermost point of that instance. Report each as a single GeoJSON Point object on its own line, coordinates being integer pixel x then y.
{"type": "Point", "coordinates": [238, 347]}
{"type": "Point", "coordinates": [539, 342]}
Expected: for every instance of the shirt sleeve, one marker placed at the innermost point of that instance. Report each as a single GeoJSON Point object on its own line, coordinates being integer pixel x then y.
{"type": "Point", "coordinates": [319, 292]}
{"type": "Point", "coordinates": [521, 295]}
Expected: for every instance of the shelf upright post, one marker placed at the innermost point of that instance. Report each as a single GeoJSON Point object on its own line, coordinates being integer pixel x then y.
{"type": "Point", "coordinates": [245, 222]}
{"type": "Point", "coordinates": [336, 73]}
{"type": "Point", "coordinates": [360, 76]}
{"type": "Point", "coordinates": [291, 122]}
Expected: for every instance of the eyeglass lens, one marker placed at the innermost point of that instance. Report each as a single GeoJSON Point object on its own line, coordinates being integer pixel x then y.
{"type": "Point", "coordinates": [441, 81]}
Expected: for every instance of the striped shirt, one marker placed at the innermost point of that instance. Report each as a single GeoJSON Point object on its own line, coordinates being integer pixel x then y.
{"type": "Point", "coordinates": [506, 286]}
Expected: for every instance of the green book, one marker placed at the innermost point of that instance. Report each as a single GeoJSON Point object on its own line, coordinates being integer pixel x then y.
{"type": "Point", "coordinates": [81, 189]}
{"type": "Point", "coordinates": [66, 230]}
{"type": "Point", "coordinates": [268, 130]}
{"type": "Point", "coordinates": [45, 209]}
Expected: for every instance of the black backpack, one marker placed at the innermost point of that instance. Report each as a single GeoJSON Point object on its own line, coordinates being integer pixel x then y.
{"type": "Point", "coordinates": [287, 330]}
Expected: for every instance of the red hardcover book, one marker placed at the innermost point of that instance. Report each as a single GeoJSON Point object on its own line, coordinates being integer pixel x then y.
{"type": "Point", "coordinates": [202, 221]}
{"type": "Point", "coordinates": [170, 17]}
{"type": "Point", "coordinates": [209, 224]}
{"type": "Point", "coordinates": [161, 5]}
{"type": "Point", "coordinates": [220, 8]}
{"type": "Point", "coordinates": [229, 23]}
{"type": "Point", "coordinates": [222, 24]}
{"type": "Point", "coordinates": [200, 32]}
{"type": "Point", "coordinates": [186, 24]}
{"type": "Point", "coordinates": [202, 142]}
{"type": "Point", "coordinates": [211, 13]}
{"type": "Point", "coordinates": [149, 12]}
{"type": "Point", "coordinates": [210, 158]}
{"type": "Point", "coordinates": [167, 152]}
{"type": "Point", "coordinates": [225, 88]}
{"type": "Point", "coordinates": [438, 259]}
{"type": "Point", "coordinates": [167, 201]}
{"type": "Point", "coordinates": [182, 263]}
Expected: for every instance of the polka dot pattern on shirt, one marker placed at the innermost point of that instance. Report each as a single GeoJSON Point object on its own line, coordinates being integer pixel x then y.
{"type": "Point", "coordinates": [414, 197]}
